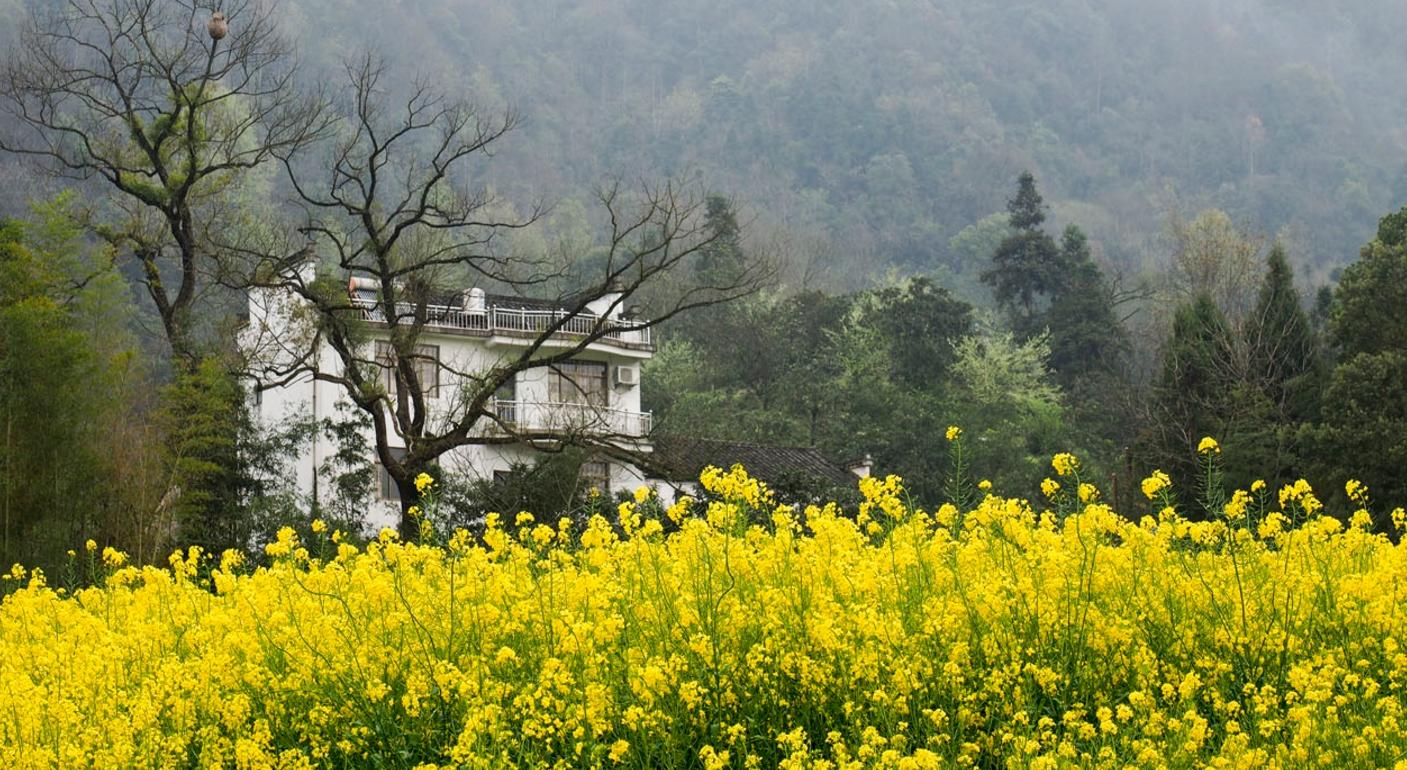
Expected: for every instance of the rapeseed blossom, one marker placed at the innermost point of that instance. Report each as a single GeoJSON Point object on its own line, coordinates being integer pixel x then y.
{"type": "Point", "coordinates": [1155, 483]}
{"type": "Point", "coordinates": [733, 632]}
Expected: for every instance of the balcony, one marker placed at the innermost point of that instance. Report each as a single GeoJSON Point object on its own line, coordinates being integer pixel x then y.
{"type": "Point", "coordinates": [560, 417]}
{"type": "Point", "coordinates": [512, 322]}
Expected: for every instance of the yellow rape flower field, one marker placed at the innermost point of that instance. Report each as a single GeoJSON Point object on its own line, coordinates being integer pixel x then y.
{"type": "Point", "coordinates": [738, 633]}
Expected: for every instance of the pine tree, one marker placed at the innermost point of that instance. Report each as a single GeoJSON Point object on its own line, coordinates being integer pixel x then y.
{"type": "Point", "coordinates": [1280, 344]}
{"type": "Point", "coordinates": [1276, 391]}
{"type": "Point", "coordinates": [1192, 395]}
{"type": "Point", "coordinates": [1368, 315]}
{"type": "Point", "coordinates": [1027, 266]}
{"type": "Point", "coordinates": [1086, 339]}
{"type": "Point", "coordinates": [723, 256]}
{"type": "Point", "coordinates": [1361, 431]}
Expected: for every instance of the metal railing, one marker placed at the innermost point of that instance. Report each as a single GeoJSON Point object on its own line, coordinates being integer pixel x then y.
{"type": "Point", "coordinates": [566, 417]}
{"type": "Point", "coordinates": [518, 322]}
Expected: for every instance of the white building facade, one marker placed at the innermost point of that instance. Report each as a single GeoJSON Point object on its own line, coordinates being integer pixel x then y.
{"type": "Point", "coordinates": [596, 391]}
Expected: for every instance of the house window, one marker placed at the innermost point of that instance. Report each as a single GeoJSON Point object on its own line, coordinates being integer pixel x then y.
{"type": "Point", "coordinates": [426, 360]}
{"type": "Point", "coordinates": [595, 474]}
{"type": "Point", "coordinates": [578, 382]}
{"type": "Point", "coordinates": [389, 490]}
{"type": "Point", "coordinates": [506, 401]}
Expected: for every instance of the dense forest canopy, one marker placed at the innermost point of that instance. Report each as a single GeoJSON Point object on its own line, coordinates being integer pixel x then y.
{"type": "Point", "coordinates": [867, 136]}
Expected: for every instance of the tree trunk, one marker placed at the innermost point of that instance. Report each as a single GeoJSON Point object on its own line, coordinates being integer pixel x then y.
{"type": "Point", "coordinates": [409, 526]}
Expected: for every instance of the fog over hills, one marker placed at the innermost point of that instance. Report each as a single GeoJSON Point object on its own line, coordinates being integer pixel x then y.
{"type": "Point", "coordinates": [865, 136]}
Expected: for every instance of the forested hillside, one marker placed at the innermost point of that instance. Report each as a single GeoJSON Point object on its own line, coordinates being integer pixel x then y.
{"type": "Point", "coordinates": [867, 135]}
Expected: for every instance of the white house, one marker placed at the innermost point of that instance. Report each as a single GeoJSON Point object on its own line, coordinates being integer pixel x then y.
{"type": "Point", "coordinates": [597, 390]}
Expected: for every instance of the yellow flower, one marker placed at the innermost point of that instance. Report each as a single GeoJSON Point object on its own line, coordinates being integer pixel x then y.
{"type": "Point", "coordinates": [618, 750]}
{"type": "Point", "coordinates": [1049, 487]}
{"type": "Point", "coordinates": [1088, 493]}
{"type": "Point", "coordinates": [1155, 483]}
{"type": "Point", "coordinates": [319, 526]}
{"type": "Point", "coordinates": [984, 485]}
{"type": "Point", "coordinates": [1208, 445]}
{"type": "Point", "coordinates": [953, 433]}
{"type": "Point", "coordinates": [423, 482]}
{"type": "Point", "coordinates": [1257, 485]}
{"type": "Point", "coordinates": [113, 557]}
{"type": "Point", "coordinates": [642, 493]}
{"type": "Point", "coordinates": [1357, 491]}
{"type": "Point", "coordinates": [1235, 509]}
{"type": "Point", "coordinates": [1064, 464]}
{"type": "Point", "coordinates": [90, 546]}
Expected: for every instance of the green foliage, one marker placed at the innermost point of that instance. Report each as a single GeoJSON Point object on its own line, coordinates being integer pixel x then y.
{"type": "Point", "coordinates": [550, 485]}
{"type": "Point", "coordinates": [66, 370]}
{"type": "Point", "coordinates": [1192, 396]}
{"type": "Point", "coordinates": [1087, 340]}
{"type": "Point", "coordinates": [1368, 315]}
{"type": "Point", "coordinates": [1027, 268]}
{"type": "Point", "coordinates": [1362, 431]}
{"type": "Point", "coordinates": [921, 321]}
{"type": "Point", "coordinates": [229, 481]}
{"type": "Point", "coordinates": [1006, 401]}
{"type": "Point", "coordinates": [351, 467]}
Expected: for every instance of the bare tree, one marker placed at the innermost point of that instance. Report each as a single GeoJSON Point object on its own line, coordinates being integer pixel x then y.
{"type": "Point", "coordinates": [168, 105]}
{"type": "Point", "coordinates": [398, 218]}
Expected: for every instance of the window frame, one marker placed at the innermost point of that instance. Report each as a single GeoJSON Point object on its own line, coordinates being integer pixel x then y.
{"type": "Point", "coordinates": [570, 371]}
{"type": "Point", "coordinates": [388, 491]}
{"type": "Point", "coordinates": [601, 482]}
{"type": "Point", "coordinates": [426, 362]}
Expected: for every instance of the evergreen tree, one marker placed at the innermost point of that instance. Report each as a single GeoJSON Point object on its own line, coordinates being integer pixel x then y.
{"type": "Point", "coordinates": [1368, 317]}
{"type": "Point", "coordinates": [1191, 397]}
{"type": "Point", "coordinates": [723, 255]}
{"type": "Point", "coordinates": [1276, 391]}
{"type": "Point", "coordinates": [1086, 339]}
{"type": "Point", "coordinates": [1027, 266]}
{"type": "Point", "coordinates": [1361, 431]}
{"type": "Point", "coordinates": [1280, 344]}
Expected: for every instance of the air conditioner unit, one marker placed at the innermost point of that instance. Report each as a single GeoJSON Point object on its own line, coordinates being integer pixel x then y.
{"type": "Point", "coordinates": [627, 376]}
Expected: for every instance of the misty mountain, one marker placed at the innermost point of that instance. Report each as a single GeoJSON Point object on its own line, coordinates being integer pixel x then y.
{"type": "Point", "coordinates": [866, 135]}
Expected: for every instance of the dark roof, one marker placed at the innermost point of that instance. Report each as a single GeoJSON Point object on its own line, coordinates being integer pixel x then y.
{"type": "Point", "coordinates": [683, 458]}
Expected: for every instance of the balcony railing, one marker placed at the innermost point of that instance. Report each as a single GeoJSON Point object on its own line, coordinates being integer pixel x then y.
{"type": "Point", "coordinates": [515, 322]}
{"type": "Point", "coordinates": [561, 417]}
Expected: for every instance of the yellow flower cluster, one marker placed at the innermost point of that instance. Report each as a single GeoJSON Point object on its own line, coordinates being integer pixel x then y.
{"type": "Point", "coordinates": [1302, 495]}
{"type": "Point", "coordinates": [1064, 464]}
{"type": "Point", "coordinates": [749, 635]}
{"type": "Point", "coordinates": [1155, 483]}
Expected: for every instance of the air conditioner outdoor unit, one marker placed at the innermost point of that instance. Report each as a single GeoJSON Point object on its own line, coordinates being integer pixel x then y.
{"type": "Point", "coordinates": [627, 376]}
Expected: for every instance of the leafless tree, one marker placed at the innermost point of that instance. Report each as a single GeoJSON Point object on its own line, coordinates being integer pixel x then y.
{"type": "Point", "coordinates": [397, 216]}
{"type": "Point", "coordinates": [166, 106]}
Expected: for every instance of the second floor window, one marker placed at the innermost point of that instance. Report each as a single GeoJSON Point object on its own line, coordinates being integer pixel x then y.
{"type": "Point", "coordinates": [577, 382]}
{"type": "Point", "coordinates": [425, 359]}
